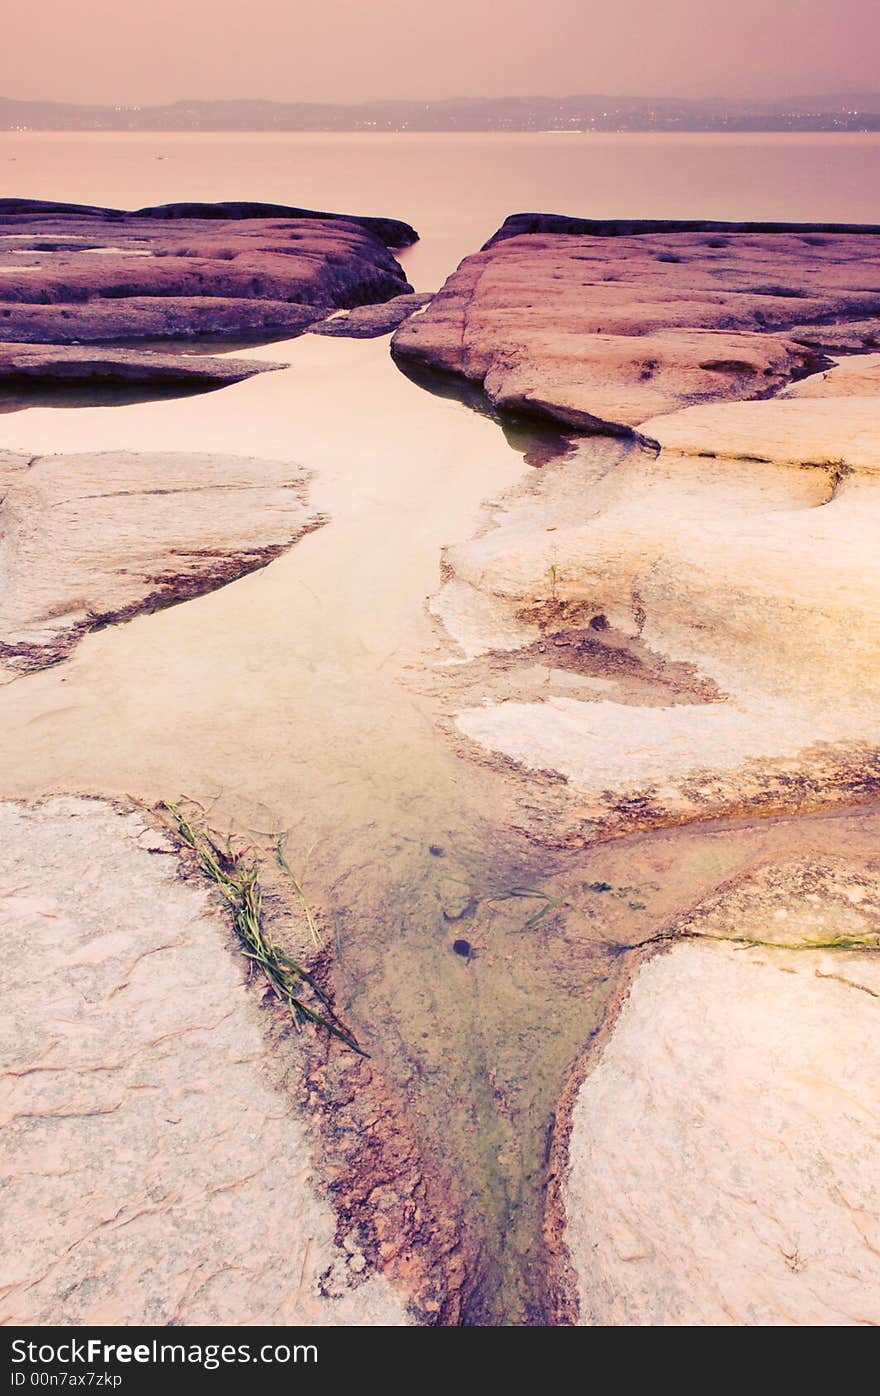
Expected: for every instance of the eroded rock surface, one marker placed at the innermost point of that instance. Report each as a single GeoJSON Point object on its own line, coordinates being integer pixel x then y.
{"type": "Point", "coordinates": [722, 1165]}
{"type": "Point", "coordinates": [743, 553]}
{"type": "Point", "coordinates": [816, 429]}
{"type": "Point", "coordinates": [517, 224]}
{"type": "Point", "coordinates": [156, 1169]}
{"type": "Point", "coordinates": [663, 635]}
{"type": "Point", "coordinates": [656, 632]}
{"type": "Point", "coordinates": [70, 274]}
{"type": "Point", "coordinates": [370, 321]}
{"type": "Point", "coordinates": [601, 330]}
{"type": "Point", "coordinates": [90, 539]}
{"type": "Point", "coordinates": [26, 364]}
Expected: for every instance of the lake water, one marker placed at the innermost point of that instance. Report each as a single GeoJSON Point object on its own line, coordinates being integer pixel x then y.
{"type": "Point", "coordinates": [457, 189]}
{"type": "Point", "coordinates": [291, 700]}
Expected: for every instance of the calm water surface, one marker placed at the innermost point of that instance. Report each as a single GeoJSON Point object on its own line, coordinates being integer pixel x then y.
{"type": "Point", "coordinates": [456, 190]}
{"type": "Point", "coordinates": [287, 699]}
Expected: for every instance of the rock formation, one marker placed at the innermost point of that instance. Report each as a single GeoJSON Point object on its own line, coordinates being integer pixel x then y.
{"type": "Point", "coordinates": [72, 274]}
{"type": "Point", "coordinates": [602, 329]}
{"type": "Point", "coordinates": [682, 625]}
{"type": "Point", "coordinates": [156, 1169]}
{"type": "Point", "coordinates": [25, 365]}
{"type": "Point", "coordinates": [391, 231]}
{"type": "Point", "coordinates": [666, 623]}
{"type": "Point", "coordinates": [91, 539]}
{"type": "Point", "coordinates": [736, 551]}
{"type": "Point", "coordinates": [518, 224]}
{"type": "Point", "coordinates": [722, 1161]}
{"type": "Point", "coordinates": [370, 321]}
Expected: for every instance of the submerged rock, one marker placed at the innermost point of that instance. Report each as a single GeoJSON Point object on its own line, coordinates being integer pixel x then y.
{"type": "Point", "coordinates": [86, 540]}
{"type": "Point", "coordinates": [72, 274]}
{"type": "Point", "coordinates": [604, 327]}
{"type": "Point", "coordinates": [157, 1170]}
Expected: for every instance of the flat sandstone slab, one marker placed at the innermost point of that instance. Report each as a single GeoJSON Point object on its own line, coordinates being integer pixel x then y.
{"type": "Point", "coordinates": [90, 539]}
{"type": "Point", "coordinates": [156, 1172]}
{"type": "Point", "coordinates": [812, 429]}
{"type": "Point", "coordinates": [70, 274]}
{"type": "Point", "coordinates": [745, 550]}
{"type": "Point", "coordinates": [601, 329]}
{"type": "Point", "coordinates": [723, 1166]}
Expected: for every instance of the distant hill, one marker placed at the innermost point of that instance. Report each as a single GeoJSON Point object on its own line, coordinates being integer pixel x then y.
{"type": "Point", "coordinates": [836, 112]}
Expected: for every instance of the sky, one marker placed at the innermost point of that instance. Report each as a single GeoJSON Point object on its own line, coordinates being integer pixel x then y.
{"type": "Point", "coordinates": [131, 52]}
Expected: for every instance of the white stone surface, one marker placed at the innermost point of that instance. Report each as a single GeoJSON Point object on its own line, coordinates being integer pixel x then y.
{"type": "Point", "coordinates": [155, 1171]}
{"type": "Point", "coordinates": [724, 1159]}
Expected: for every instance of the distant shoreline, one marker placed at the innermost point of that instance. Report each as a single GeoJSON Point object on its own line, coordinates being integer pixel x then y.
{"type": "Point", "coordinates": [548, 131]}
{"type": "Point", "coordinates": [581, 114]}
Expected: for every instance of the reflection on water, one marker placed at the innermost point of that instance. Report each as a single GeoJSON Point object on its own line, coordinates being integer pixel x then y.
{"type": "Point", "coordinates": [289, 701]}
{"type": "Point", "coordinates": [536, 438]}
{"type": "Point", "coordinates": [16, 395]}
{"type": "Point", "coordinates": [284, 703]}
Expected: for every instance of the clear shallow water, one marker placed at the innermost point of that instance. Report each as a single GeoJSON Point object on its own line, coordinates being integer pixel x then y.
{"type": "Point", "coordinates": [288, 700]}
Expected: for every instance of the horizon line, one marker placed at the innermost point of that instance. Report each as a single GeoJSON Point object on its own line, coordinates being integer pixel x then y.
{"type": "Point", "coordinates": [824, 95]}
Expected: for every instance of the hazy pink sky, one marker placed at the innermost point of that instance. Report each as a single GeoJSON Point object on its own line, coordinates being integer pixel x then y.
{"type": "Point", "coordinates": [141, 51]}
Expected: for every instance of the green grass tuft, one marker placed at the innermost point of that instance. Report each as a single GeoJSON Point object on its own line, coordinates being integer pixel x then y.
{"type": "Point", "coordinates": [238, 882]}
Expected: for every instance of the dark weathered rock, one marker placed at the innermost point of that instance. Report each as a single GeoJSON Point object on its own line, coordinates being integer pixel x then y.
{"type": "Point", "coordinates": [156, 317]}
{"type": "Point", "coordinates": [391, 231]}
{"type": "Point", "coordinates": [370, 321]}
{"type": "Point", "coordinates": [517, 224]}
{"type": "Point", "coordinates": [83, 275]}
{"type": "Point", "coordinates": [68, 363]}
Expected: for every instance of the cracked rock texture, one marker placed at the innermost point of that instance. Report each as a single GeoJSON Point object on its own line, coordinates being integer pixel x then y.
{"type": "Point", "coordinates": [763, 578]}
{"type": "Point", "coordinates": [744, 552]}
{"type": "Point", "coordinates": [686, 625]}
{"type": "Point", "coordinates": [82, 275]}
{"type": "Point", "coordinates": [602, 332]}
{"type": "Point", "coordinates": [723, 1165]}
{"type": "Point", "coordinates": [89, 539]}
{"type": "Point", "coordinates": [155, 1170]}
